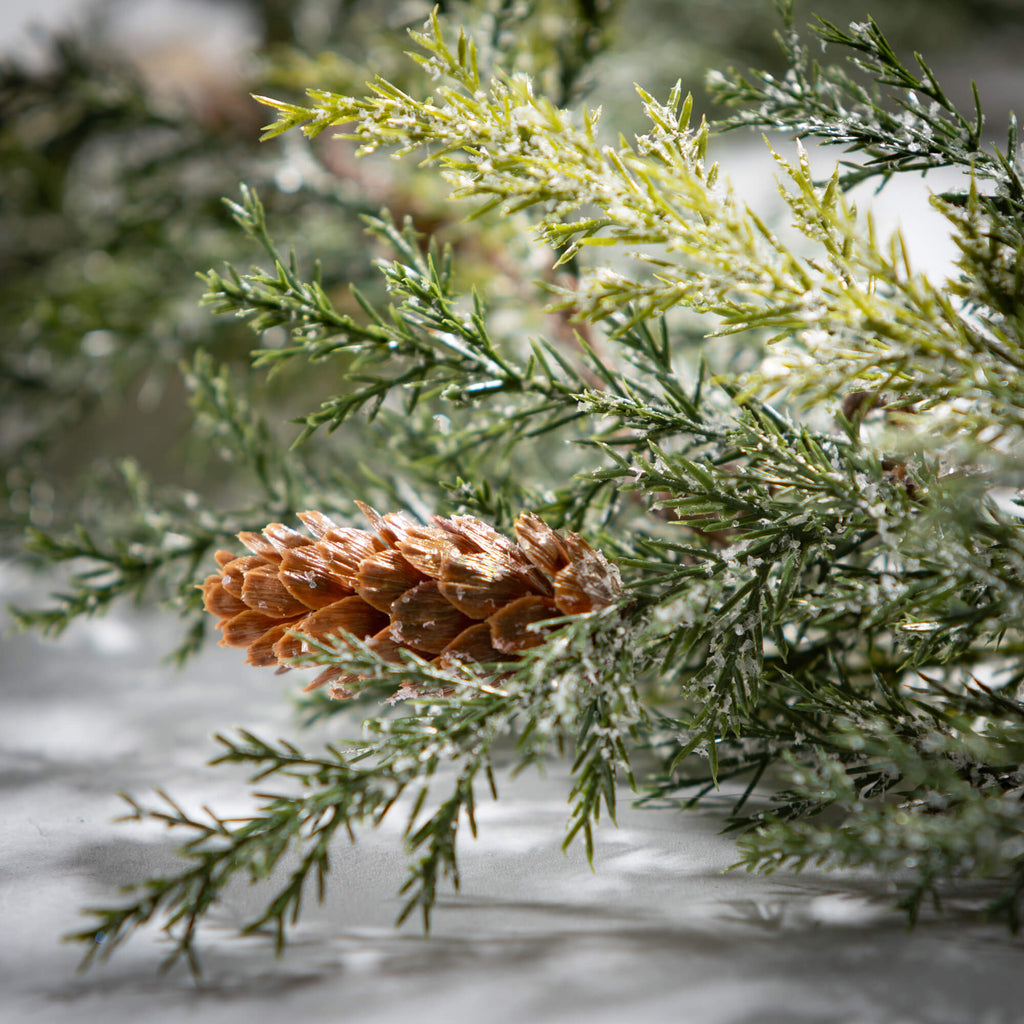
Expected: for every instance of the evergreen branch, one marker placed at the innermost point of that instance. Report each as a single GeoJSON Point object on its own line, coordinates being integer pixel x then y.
{"type": "Point", "coordinates": [579, 689]}
{"type": "Point", "coordinates": [246, 437]}
{"type": "Point", "coordinates": [945, 825]}
{"type": "Point", "coordinates": [282, 298]}
{"type": "Point", "coordinates": [925, 131]}
{"type": "Point", "coordinates": [809, 593]}
{"type": "Point", "coordinates": [147, 556]}
{"type": "Point", "coordinates": [439, 350]}
{"type": "Point", "coordinates": [221, 849]}
{"type": "Point", "coordinates": [859, 312]}
{"type": "Point", "coordinates": [122, 569]}
{"type": "Point", "coordinates": [143, 546]}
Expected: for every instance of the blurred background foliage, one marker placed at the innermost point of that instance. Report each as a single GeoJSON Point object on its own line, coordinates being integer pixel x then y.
{"type": "Point", "coordinates": [114, 159]}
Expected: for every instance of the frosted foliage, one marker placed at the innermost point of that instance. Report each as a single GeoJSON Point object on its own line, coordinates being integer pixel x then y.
{"type": "Point", "coordinates": [798, 453]}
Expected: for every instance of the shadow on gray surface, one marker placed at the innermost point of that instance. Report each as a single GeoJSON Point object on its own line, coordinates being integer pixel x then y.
{"type": "Point", "coordinates": [656, 933]}
{"type": "Point", "coordinates": [509, 959]}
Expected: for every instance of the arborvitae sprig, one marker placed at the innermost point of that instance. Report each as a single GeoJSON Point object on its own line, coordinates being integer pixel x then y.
{"type": "Point", "coordinates": [854, 314]}
{"type": "Point", "coordinates": [901, 119]}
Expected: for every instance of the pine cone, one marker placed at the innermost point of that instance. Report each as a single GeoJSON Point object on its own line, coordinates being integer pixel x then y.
{"type": "Point", "coordinates": [456, 589]}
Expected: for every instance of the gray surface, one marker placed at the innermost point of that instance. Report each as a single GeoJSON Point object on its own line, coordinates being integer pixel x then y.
{"type": "Point", "coordinates": [657, 932]}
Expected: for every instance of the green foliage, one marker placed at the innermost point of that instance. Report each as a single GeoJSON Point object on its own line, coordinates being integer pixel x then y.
{"type": "Point", "coordinates": [885, 118]}
{"type": "Point", "coordinates": [803, 453]}
{"type": "Point", "coordinates": [576, 691]}
{"type": "Point", "coordinates": [110, 199]}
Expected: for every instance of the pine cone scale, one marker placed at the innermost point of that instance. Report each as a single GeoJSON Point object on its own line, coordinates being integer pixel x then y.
{"type": "Point", "coordinates": [346, 549]}
{"type": "Point", "coordinates": [263, 652]}
{"type": "Point", "coordinates": [265, 591]}
{"type": "Point", "coordinates": [350, 615]}
{"type": "Point", "coordinates": [542, 546]}
{"type": "Point", "coordinates": [475, 643]}
{"type": "Point", "coordinates": [480, 584]}
{"type": "Point", "coordinates": [510, 627]}
{"type": "Point", "coordinates": [307, 573]}
{"type": "Point", "coordinates": [384, 578]}
{"type": "Point", "coordinates": [233, 574]}
{"type": "Point", "coordinates": [247, 628]}
{"type": "Point", "coordinates": [283, 537]}
{"type": "Point", "coordinates": [423, 618]}
{"type": "Point", "coordinates": [219, 601]}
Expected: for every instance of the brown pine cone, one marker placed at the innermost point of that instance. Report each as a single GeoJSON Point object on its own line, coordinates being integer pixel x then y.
{"type": "Point", "coordinates": [456, 589]}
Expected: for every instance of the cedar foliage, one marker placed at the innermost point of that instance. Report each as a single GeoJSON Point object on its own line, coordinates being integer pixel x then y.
{"type": "Point", "coordinates": [802, 454]}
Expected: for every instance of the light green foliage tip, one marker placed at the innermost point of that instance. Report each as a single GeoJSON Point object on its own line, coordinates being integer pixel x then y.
{"type": "Point", "coordinates": [846, 312]}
